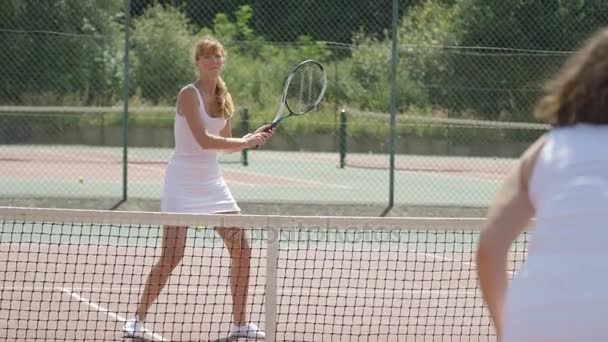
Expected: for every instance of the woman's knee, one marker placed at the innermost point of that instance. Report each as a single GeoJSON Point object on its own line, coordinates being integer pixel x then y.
{"type": "Point", "coordinates": [174, 245]}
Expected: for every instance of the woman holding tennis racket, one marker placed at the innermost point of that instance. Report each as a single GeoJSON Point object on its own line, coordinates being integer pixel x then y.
{"type": "Point", "coordinates": [559, 294]}
{"type": "Point", "coordinates": [194, 184]}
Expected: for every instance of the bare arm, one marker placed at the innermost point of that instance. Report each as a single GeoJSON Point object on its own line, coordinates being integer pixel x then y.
{"type": "Point", "coordinates": [187, 105]}
{"type": "Point", "coordinates": [507, 217]}
{"type": "Point", "coordinates": [226, 132]}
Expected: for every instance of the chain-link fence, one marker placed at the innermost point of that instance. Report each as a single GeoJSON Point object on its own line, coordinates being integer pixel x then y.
{"type": "Point", "coordinates": [467, 76]}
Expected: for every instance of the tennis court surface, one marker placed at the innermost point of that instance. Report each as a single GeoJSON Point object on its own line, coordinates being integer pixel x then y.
{"type": "Point", "coordinates": [76, 275]}
{"type": "Point", "coordinates": [62, 172]}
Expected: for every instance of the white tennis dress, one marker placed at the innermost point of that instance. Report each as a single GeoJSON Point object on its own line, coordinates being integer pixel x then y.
{"type": "Point", "coordinates": [561, 292]}
{"type": "Point", "coordinates": [193, 178]}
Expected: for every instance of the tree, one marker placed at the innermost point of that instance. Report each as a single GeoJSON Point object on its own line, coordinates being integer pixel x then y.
{"type": "Point", "coordinates": [56, 50]}
{"type": "Point", "coordinates": [162, 42]}
{"type": "Point", "coordinates": [514, 45]}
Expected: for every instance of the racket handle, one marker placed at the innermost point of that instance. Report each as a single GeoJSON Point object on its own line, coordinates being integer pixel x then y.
{"type": "Point", "coordinates": [272, 125]}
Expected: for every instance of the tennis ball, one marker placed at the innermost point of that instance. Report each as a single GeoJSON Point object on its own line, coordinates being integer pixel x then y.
{"type": "Point", "coordinates": [81, 180]}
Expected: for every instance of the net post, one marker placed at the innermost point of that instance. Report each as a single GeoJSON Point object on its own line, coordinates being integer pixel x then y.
{"type": "Point", "coordinates": [270, 310]}
{"type": "Point", "coordinates": [342, 138]}
{"type": "Point", "coordinates": [245, 128]}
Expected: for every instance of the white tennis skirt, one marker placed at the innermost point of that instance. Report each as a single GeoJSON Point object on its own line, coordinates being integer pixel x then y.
{"type": "Point", "coordinates": [558, 298]}
{"type": "Point", "coordinates": [194, 184]}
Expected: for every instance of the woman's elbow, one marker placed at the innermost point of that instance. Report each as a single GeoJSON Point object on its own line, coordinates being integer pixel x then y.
{"type": "Point", "coordinates": [205, 141]}
{"type": "Point", "coordinates": [204, 145]}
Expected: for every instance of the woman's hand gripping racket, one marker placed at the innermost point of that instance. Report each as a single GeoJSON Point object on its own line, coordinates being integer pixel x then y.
{"type": "Point", "coordinates": [303, 90]}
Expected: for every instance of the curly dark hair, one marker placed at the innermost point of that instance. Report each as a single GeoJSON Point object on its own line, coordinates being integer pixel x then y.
{"type": "Point", "coordinates": [579, 92]}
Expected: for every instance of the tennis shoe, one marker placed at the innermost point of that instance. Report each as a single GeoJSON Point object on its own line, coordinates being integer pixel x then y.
{"type": "Point", "coordinates": [248, 330]}
{"type": "Point", "coordinates": [133, 327]}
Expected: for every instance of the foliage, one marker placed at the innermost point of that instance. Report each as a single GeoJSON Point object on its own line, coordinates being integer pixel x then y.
{"type": "Point", "coordinates": [420, 60]}
{"type": "Point", "coordinates": [484, 59]}
{"type": "Point", "coordinates": [162, 43]}
{"type": "Point", "coordinates": [65, 35]}
{"type": "Point", "coordinates": [523, 41]}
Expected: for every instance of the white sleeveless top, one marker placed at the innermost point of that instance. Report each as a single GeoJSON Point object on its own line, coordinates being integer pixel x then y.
{"type": "Point", "coordinates": [193, 178]}
{"type": "Point", "coordinates": [562, 289]}
{"type": "Point", "coordinates": [185, 144]}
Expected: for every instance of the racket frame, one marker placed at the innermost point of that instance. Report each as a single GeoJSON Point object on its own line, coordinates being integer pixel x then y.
{"type": "Point", "coordinates": [279, 117]}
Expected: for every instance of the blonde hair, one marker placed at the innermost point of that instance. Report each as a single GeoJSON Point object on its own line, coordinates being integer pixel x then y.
{"type": "Point", "coordinates": [579, 92]}
{"type": "Point", "coordinates": [205, 47]}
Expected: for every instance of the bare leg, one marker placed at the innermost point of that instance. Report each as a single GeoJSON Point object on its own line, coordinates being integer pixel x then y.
{"type": "Point", "coordinates": [240, 255]}
{"type": "Point", "coordinates": [174, 243]}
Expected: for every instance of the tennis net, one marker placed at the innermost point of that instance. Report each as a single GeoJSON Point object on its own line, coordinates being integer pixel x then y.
{"type": "Point", "coordinates": [78, 275]}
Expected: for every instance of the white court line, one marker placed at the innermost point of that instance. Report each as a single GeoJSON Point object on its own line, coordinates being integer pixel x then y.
{"type": "Point", "coordinates": [472, 264]}
{"type": "Point", "coordinates": [161, 170]}
{"type": "Point", "coordinates": [300, 181]}
{"type": "Point", "coordinates": [107, 312]}
{"type": "Point", "coordinates": [445, 259]}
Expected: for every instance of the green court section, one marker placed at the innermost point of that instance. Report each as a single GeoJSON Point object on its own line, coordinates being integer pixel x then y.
{"type": "Point", "coordinates": [270, 177]}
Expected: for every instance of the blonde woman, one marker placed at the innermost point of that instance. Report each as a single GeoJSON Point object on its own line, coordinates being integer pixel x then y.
{"type": "Point", "coordinates": [559, 294]}
{"type": "Point", "coordinates": [194, 184]}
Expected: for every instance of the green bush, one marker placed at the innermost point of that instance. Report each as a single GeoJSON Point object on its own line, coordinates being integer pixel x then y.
{"type": "Point", "coordinates": [162, 44]}
{"type": "Point", "coordinates": [504, 80]}
{"type": "Point", "coordinates": [436, 75]}
{"type": "Point", "coordinates": [73, 68]}
{"type": "Point", "coordinates": [365, 78]}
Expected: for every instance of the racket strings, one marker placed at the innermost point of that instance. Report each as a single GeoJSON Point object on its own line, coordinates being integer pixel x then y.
{"type": "Point", "coordinates": [305, 89]}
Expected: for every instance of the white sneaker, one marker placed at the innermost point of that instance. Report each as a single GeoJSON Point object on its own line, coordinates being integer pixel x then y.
{"type": "Point", "coordinates": [133, 326]}
{"type": "Point", "coordinates": [248, 330]}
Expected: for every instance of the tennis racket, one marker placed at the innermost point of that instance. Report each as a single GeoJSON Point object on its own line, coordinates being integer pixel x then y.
{"type": "Point", "coordinates": [303, 90]}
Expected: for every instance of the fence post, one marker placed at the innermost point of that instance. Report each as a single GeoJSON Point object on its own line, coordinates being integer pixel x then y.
{"type": "Point", "coordinates": [125, 111]}
{"type": "Point", "coordinates": [391, 143]}
{"type": "Point", "coordinates": [245, 128]}
{"type": "Point", "coordinates": [342, 138]}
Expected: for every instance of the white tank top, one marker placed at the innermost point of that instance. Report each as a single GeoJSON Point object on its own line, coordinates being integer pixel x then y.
{"type": "Point", "coordinates": [560, 291]}
{"type": "Point", "coordinates": [569, 190]}
{"type": "Point", "coordinates": [185, 144]}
